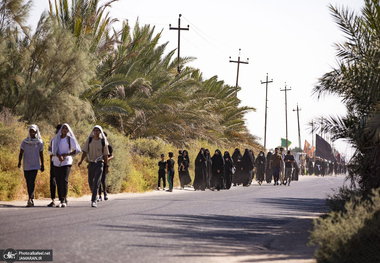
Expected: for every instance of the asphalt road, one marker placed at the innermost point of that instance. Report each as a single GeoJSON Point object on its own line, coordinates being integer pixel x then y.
{"type": "Point", "coordinates": [244, 224]}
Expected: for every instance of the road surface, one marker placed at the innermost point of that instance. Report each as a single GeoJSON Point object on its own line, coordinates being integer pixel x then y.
{"type": "Point", "coordinates": [244, 224]}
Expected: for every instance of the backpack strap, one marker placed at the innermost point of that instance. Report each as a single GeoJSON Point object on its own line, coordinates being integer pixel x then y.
{"type": "Point", "coordinates": [90, 140]}
{"type": "Point", "coordinates": [69, 142]}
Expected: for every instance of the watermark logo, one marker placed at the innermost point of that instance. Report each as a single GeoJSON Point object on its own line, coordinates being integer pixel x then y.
{"type": "Point", "coordinates": [10, 255]}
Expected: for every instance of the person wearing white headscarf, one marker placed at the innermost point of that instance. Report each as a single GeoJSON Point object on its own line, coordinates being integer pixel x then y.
{"type": "Point", "coordinates": [53, 182]}
{"type": "Point", "coordinates": [32, 150]}
{"type": "Point", "coordinates": [64, 146]}
{"type": "Point", "coordinates": [96, 150]}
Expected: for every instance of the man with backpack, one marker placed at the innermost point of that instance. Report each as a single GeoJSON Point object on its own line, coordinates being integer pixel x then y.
{"type": "Point", "coordinates": [96, 149]}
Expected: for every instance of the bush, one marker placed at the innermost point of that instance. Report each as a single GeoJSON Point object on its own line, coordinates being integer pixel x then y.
{"type": "Point", "coordinates": [352, 236]}
{"type": "Point", "coordinates": [133, 169]}
{"type": "Point", "coordinates": [340, 197]}
{"type": "Point", "coordinates": [148, 147]}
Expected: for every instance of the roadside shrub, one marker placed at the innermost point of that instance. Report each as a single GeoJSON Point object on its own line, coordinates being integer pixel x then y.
{"type": "Point", "coordinates": [340, 197]}
{"type": "Point", "coordinates": [352, 236]}
{"type": "Point", "coordinates": [148, 147]}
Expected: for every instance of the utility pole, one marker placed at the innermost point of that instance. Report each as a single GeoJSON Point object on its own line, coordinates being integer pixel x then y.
{"type": "Point", "coordinates": [286, 113]}
{"type": "Point", "coordinates": [312, 133]}
{"type": "Point", "coordinates": [179, 37]}
{"type": "Point", "coordinates": [299, 131]}
{"type": "Point", "coordinates": [266, 108]}
{"type": "Point", "coordinates": [238, 65]}
{"type": "Point", "coordinates": [321, 129]}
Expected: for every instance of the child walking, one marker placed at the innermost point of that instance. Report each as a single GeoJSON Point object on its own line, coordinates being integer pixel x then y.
{"type": "Point", "coordinates": [32, 149]}
{"type": "Point", "coordinates": [161, 172]}
{"type": "Point", "coordinates": [170, 169]}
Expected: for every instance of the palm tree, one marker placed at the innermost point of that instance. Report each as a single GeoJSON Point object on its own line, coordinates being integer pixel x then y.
{"type": "Point", "coordinates": [357, 81]}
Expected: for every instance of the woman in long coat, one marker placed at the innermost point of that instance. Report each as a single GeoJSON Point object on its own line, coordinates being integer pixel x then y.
{"type": "Point", "coordinates": [237, 177]}
{"type": "Point", "coordinates": [200, 171]}
{"type": "Point", "coordinates": [229, 164]}
{"type": "Point", "coordinates": [217, 170]}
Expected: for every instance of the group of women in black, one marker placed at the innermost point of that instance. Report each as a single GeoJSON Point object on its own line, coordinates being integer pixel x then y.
{"type": "Point", "coordinates": [221, 171]}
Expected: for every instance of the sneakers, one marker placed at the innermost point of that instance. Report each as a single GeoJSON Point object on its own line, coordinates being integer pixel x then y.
{"type": "Point", "coordinates": [52, 204]}
{"type": "Point", "coordinates": [105, 198]}
{"type": "Point", "coordinates": [93, 204]}
{"type": "Point", "coordinates": [30, 203]}
{"type": "Point", "coordinates": [99, 199]}
{"type": "Point", "coordinates": [62, 204]}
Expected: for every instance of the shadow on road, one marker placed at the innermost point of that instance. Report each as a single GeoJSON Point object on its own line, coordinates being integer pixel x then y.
{"type": "Point", "coordinates": [284, 238]}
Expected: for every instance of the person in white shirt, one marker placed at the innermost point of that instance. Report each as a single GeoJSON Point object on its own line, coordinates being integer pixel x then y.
{"type": "Point", "coordinates": [64, 146]}
{"type": "Point", "coordinates": [32, 150]}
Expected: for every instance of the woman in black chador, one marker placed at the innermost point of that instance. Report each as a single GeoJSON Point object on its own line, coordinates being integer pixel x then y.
{"type": "Point", "coordinates": [260, 166]}
{"type": "Point", "coordinates": [184, 175]}
{"type": "Point", "coordinates": [246, 167]}
{"type": "Point", "coordinates": [200, 171]}
{"type": "Point", "coordinates": [237, 177]}
{"type": "Point", "coordinates": [229, 164]}
{"type": "Point", "coordinates": [209, 169]}
{"type": "Point", "coordinates": [269, 171]}
{"type": "Point", "coordinates": [251, 172]}
{"type": "Point", "coordinates": [217, 170]}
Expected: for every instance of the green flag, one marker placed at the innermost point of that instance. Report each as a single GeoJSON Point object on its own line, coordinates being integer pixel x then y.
{"type": "Point", "coordinates": [283, 142]}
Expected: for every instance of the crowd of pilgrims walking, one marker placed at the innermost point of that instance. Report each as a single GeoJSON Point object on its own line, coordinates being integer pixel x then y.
{"type": "Point", "coordinates": [221, 171]}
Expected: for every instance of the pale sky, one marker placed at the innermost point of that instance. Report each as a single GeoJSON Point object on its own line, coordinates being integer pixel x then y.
{"type": "Point", "coordinates": [291, 40]}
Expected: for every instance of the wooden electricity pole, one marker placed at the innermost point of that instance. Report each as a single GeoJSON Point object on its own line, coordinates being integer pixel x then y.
{"type": "Point", "coordinates": [238, 65]}
{"type": "Point", "coordinates": [179, 37]}
{"type": "Point", "coordinates": [266, 108]}
{"type": "Point", "coordinates": [286, 113]}
{"type": "Point", "coordinates": [299, 130]}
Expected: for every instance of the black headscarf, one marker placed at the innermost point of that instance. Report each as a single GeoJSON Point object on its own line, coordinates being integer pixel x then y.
{"type": "Point", "coordinates": [236, 155]}
{"type": "Point", "coordinates": [217, 161]}
{"type": "Point", "coordinates": [260, 159]}
{"type": "Point", "coordinates": [201, 158]}
{"type": "Point", "coordinates": [230, 162]}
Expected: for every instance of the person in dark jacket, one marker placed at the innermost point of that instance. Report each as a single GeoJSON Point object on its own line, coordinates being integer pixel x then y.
{"type": "Point", "coordinates": [260, 166]}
